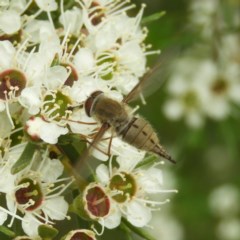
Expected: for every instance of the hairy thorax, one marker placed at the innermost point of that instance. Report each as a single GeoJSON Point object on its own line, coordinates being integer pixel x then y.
{"type": "Point", "coordinates": [111, 111]}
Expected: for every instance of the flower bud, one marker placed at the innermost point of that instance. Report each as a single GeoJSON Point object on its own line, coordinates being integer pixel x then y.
{"type": "Point", "coordinates": [81, 234]}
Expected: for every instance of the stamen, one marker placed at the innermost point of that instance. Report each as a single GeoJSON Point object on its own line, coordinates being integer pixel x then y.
{"type": "Point", "coordinates": [64, 43]}
{"type": "Point", "coordinates": [73, 48]}
{"type": "Point", "coordinates": [152, 202]}
{"type": "Point", "coordinates": [139, 17]}
{"type": "Point", "coordinates": [21, 48]}
{"type": "Point", "coordinates": [62, 12]}
{"type": "Point", "coordinates": [28, 59]}
{"type": "Point", "coordinates": [9, 115]}
{"type": "Point", "coordinates": [12, 214]}
{"type": "Point", "coordinates": [30, 203]}
{"type": "Point", "coordinates": [44, 158]}
{"type": "Point", "coordinates": [60, 192]}
{"type": "Point", "coordinates": [33, 16]}
{"type": "Point", "coordinates": [26, 6]}
{"type": "Point", "coordinates": [45, 219]}
{"type": "Point", "coordinates": [101, 221]}
{"type": "Point", "coordinates": [152, 52]}
{"type": "Point", "coordinates": [110, 166]}
{"type": "Point", "coordinates": [134, 110]}
{"type": "Point", "coordinates": [119, 9]}
{"type": "Point", "coordinates": [23, 185]}
{"type": "Point", "coordinates": [163, 191]}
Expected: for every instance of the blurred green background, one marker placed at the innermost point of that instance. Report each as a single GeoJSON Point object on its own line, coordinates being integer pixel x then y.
{"type": "Point", "coordinates": [207, 173]}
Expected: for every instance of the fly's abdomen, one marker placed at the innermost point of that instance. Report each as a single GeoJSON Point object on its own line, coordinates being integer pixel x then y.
{"type": "Point", "coordinates": [140, 134]}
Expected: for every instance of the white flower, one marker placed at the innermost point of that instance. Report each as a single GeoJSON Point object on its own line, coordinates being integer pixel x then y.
{"type": "Point", "coordinates": [132, 58]}
{"type": "Point", "coordinates": [10, 16]}
{"type": "Point", "coordinates": [229, 229]}
{"type": "Point", "coordinates": [15, 68]}
{"type": "Point", "coordinates": [219, 89]}
{"type": "Point", "coordinates": [7, 179]}
{"type": "Point", "coordinates": [224, 201]}
{"type": "Point", "coordinates": [129, 188]}
{"type": "Point", "coordinates": [199, 89]}
{"type": "Point", "coordinates": [202, 16]}
{"type": "Point", "coordinates": [48, 132]}
{"type": "Point", "coordinates": [96, 205]}
{"type": "Point", "coordinates": [40, 31]}
{"type": "Point", "coordinates": [34, 192]}
{"type": "Point", "coordinates": [185, 101]}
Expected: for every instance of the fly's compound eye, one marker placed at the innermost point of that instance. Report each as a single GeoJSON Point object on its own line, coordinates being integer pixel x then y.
{"type": "Point", "coordinates": [90, 102]}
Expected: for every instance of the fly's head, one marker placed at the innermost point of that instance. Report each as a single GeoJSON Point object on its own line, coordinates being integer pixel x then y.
{"type": "Point", "coordinates": [90, 102]}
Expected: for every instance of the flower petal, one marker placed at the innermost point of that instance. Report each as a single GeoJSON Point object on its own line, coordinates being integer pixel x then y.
{"type": "Point", "coordinates": [10, 21]}
{"type": "Point", "coordinates": [114, 218]}
{"type": "Point", "coordinates": [3, 217]}
{"type": "Point", "coordinates": [7, 52]}
{"type": "Point", "coordinates": [30, 225]}
{"type": "Point", "coordinates": [102, 173]}
{"type": "Point", "coordinates": [138, 214]}
{"type": "Point", "coordinates": [56, 208]}
{"type": "Point", "coordinates": [51, 170]}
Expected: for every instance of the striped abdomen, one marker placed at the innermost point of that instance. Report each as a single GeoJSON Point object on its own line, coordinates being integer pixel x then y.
{"type": "Point", "coordinates": [140, 134]}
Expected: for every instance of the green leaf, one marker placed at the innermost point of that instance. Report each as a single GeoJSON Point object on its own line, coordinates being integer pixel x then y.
{"type": "Point", "coordinates": [25, 158]}
{"type": "Point", "coordinates": [7, 232]}
{"type": "Point", "coordinates": [153, 17]}
{"type": "Point", "coordinates": [148, 161]}
{"type": "Point", "coordinates": [127, 231]}
{"type": "Point", "coordinates": [47, 232]}
{"type": "Point", "coordinates": [139, 231]}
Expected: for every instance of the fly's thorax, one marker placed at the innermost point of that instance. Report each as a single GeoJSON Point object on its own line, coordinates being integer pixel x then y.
{"type": "Point", "coordinates": [140, 134]}
{"type": "Point", "coordinates": [109, 110]}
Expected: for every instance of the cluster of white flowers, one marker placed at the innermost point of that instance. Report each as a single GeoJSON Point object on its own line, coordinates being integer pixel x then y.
{"type": "Point", "coordinates": [52, 59]}
{"type": "Point", "coordinates": [206, 80]}
{"type": "Point", "coordinates": [224, 204]}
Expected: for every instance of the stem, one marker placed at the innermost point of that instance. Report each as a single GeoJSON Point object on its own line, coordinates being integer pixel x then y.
{"type": "Point", "coordinates": [139, 231]}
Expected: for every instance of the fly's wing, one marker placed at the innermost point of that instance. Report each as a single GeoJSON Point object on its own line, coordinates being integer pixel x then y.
{"type": "Point", "coordinates": [154, 77]}
{"type": "Point", "coordinates": [105, 126]}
